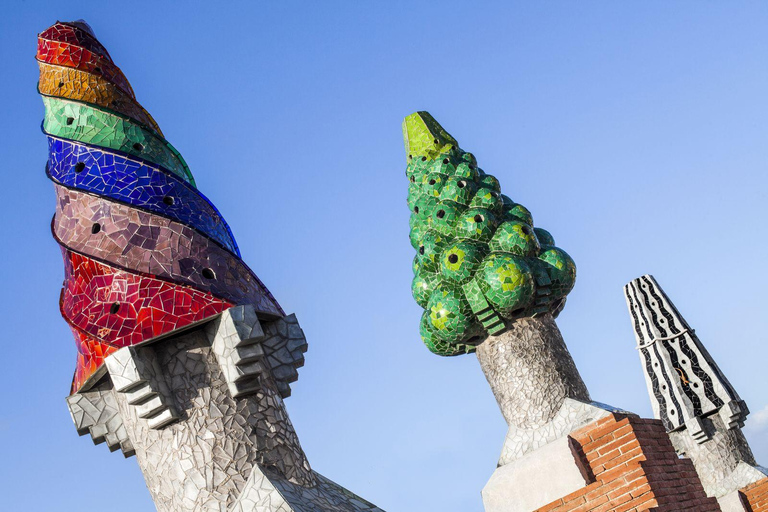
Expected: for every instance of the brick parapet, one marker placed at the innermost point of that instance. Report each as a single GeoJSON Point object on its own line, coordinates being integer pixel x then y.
{"type": "Point", "coordinates": [756, 496]}
{"type": "Point", "coordinates": [632, 466]}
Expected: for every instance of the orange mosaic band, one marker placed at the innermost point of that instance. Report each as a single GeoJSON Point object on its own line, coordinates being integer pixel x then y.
{"type": "Point", "coordinates": [78, 85]}
{"type": "Point", "coordinates": [69, 55]}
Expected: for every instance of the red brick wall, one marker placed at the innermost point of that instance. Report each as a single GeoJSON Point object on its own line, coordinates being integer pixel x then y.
{"type": "Point", "coordinates": [756, 495]}
{"type": "Point", "coordinates": [633, 467]}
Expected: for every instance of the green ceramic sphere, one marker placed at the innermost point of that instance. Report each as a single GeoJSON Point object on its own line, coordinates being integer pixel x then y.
{"type": "Point", "coordinates": [432, 183]}
{"type": "Point", "coordinates": [515, 237]}
{"type": "Point", "coordinates": [432, 245]}
{"type": "Point", "coordinates": [520, 213]}
{"type": "Point", "coordinates": [459, 190]}
{"type": "Point", "coordinates": [544, 236]}
{"type": "Point", "coordinates": [417, 168]}
{"type": "Point", "coordinates": [489, 181]}
{"type": "Point", "coordinates": [467, 171]}
{"type": "Point", "coordinates": [460, 259]}
{"type": "Point", "coordinates": [418, 228]}
{"type": "Point", "coordinates": [423, 285]}
{"type": "Point", "coordinates": [475, 224]}
{"type": "Point", "coordinates": [423, 207]}
{"type": "Point", "coordinates": [444, 216]}
{"type": "Point", "coordinates": [469, 158]}
{"type": "Point", "coordinates": [561, 270]}
{"type": "Point", "coordinates": [488, 199]}
{"type": "Point", "coordinates": [507, 282]}
{"type": "Point", "coordinates": [450, 317]}
{"type": "Point", "coordinates": [444, 164]}
{"type": "Point", "coordinates": [435, 344]}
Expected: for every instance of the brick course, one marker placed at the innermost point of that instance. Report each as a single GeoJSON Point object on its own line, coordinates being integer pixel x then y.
{"type": "Point", "coordinates": [634, 467]}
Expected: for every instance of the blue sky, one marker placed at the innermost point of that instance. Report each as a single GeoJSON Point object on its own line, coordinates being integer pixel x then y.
{"type": "Point", "coordinates": [634, 131]}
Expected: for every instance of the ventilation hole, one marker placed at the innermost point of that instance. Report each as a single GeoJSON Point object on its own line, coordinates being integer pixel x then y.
{"type": "Point", "coordinates": [61, 84]}
{"type": "Point", "coordinates": [495, 194]}
{"type": "Point", "coordinates": [663, 386]}
{"type": "Point", "coordinates": [168, 200]}
{"type": "Point", "coordinates": [653, 303]}
{"type": "Point", "coordinates": [79, 167]}
{"type": "Point", "coordinates": [440, 214]}
{"type": "Point", "coordinates": [415, 209]}
{"type": "Point", "coordinates": [684, 361]}
{"type": "Point", "coordinates": [526, 231]}
{"type": "Point", "coordinates": [435, 141]}
{"type": "Point", "coordinates": [472, 166]}
{"type": "Point", "coordinates": [413, 179]}
{"type": "Point", "coordinates": [410, 157]}
{"type": "Point", "coordinates": [695, 384]}
{"type": "Point", "coordinates": [453, 258]}
{"type": "Point", "coordinates": [661, 320]}
{"type": "Point", "coordinates": [95, 228]}
{"type": "Point", "coordinates": [518, 312]}
{"type": "Point", "coordinates": [479, 218]}
{"type": "Point", "coordinates": [656, 364]}
{"type": "Point", "coordinates": [138, 147]}
{"type": "Point", "coordinates": [423, 159]}
{"type": "Point", "coordinates": [432, 182]}
{"type": "Point", "coordinates": [114, 308]}
{"type": "Point", "coordinates": [446, 161]}
{"type": "Point", "coordinates": [421, 250]}
{"type": "Point", "coordinates": [208, 273]}
{"type": "Point", "coordinates": [70, 120]}
{"type": "Point", "coordinates": [672, 413]}
{"type": "Point", "coordinates": [97, 70]}
{"type": "Point", "coordinates": [461, 184]}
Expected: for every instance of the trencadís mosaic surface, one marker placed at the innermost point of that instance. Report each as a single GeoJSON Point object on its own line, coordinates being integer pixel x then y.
{"type": "Point", "coordinates": [145, 252]}
{"type": "Point", "coordinates": [480, 263]}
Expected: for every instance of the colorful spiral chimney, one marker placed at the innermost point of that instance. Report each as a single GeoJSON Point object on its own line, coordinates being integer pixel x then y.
{"type": "Point", "coordinates": [144, 251]}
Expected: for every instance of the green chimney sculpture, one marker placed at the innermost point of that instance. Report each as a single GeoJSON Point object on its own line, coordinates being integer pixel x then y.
{"type": "Point", "coordinates": [480, 262]}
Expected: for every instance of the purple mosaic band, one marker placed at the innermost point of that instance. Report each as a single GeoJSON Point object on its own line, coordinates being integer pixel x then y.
{"type": "Point", "coordinates": [142, 242]}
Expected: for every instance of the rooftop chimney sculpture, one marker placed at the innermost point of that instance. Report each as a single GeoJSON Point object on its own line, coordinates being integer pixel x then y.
{"type": "Point", "coordinates": [491, 283]}
{"type": "Point", "coordinates": [184, 356]}
{"type": "Point", "coordinates": [701, 411]}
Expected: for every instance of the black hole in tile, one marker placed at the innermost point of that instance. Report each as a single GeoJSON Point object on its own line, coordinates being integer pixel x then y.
{"type": "Point", "coordinates": [415, 209]}
{"type": "Point", "coordinates": [61, 84]}
{"type": "Point", "coordinates": [79, 167]}
{"type": "Point", "coordinates": [432, 182]}
{"type": "Point", "coordinates": [518, 312]}
{"type": "Point", "coordinates": [453, 258]}
{"type": "Point", "coordinates": [526, 231]}
{"type": "Point", "coordinates": [479, 218]}
{"type": "Point", "coordinates": [423, 159]}
{"type": "Point", "coordinates": [435, 141]}
{"type": "Point", "coordinates": [70, 120]}
{"type": "Point", "coordinates": [138, 147]}
{"type": "Point", "coordinates": [168, 200]}
{"type": "Point", "coordinates": [97, 70]}
{"type": "Point", "coordinates": [421, 250]}
{"type": "Point", "coordinates": [413, 179]}
{"type": "Point", "coordinates": [114, 308]}
{"type": "Point", "coordinates": [461, 184]}
{"type": "Point", "coordinates": [440, 214]}
{"type": "Point", "coordinates": [95, 228]}
{"type": "Point", "coordinates": [208, 273]}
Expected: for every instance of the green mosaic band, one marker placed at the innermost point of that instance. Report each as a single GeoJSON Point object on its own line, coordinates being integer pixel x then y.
{"type": "Point", "coordinates": [90, 125]}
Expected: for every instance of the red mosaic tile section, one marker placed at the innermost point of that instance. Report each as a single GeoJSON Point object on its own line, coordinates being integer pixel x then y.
{"type": "Point", "coordinates": [90, 356]}
{"type": "Point", "coordinates": [72, 34]}
{"type": "Point", "coordinates": [756, 495]}
{"type": "Point", "coordinates": [73, 56]}
{"type": "Point", "coordinates": [121, 308]}
{"type": "Point", "coordinates": [634, 468]}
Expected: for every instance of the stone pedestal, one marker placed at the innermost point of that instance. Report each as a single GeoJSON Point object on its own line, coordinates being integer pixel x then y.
{"type": "Point", "coordinates": [203, 413]}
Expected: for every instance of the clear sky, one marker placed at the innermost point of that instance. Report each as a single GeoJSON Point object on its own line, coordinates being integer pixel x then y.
{"type": "Point", "coordinates": [634, 131]}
